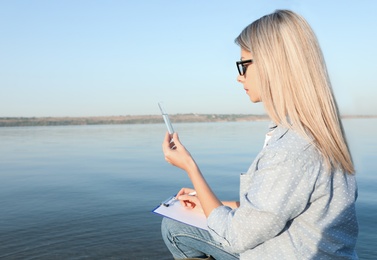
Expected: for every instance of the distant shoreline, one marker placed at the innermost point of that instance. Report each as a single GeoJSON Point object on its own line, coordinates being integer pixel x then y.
{"type": "Point", "coordinates": [141, 119]}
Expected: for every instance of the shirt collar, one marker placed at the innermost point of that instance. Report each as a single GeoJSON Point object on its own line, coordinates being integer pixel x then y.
{"type": "Point", "coordinates": [278, 131]}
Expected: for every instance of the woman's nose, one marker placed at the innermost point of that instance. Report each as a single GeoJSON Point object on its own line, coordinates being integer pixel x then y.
{"type": "Point", "coordinates": [240, 78]}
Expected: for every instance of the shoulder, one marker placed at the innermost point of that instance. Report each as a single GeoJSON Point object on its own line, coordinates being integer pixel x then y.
{"type": "Point", "coordinates": [287, 144]}
{"type": "Point", "coordinates": [290, 156]}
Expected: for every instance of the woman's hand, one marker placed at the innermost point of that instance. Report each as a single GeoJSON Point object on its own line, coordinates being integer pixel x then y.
{"type": "Point", "coordinates": [177, 155]}
{"type": "Point", "coordinates": [187, 197]}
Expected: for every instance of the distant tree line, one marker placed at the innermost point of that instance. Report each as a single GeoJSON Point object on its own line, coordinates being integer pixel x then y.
{"type": "Point", "coordinates": [146, 119]}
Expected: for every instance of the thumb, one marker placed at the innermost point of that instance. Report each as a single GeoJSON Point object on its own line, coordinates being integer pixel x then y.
{"type": "Point", "coordinates": [183, 197]}
{"type": "Point", "coordinates": [176, 139]}
{"type": "Point", "coordinates": [187, 197]}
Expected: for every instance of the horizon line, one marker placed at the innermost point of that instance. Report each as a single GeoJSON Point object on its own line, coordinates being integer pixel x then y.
{"type": "Point", "coordinates": [176, 114]}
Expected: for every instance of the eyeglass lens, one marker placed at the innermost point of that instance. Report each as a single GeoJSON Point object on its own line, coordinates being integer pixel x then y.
{"type": "Point", "coordinates": [242, 66]}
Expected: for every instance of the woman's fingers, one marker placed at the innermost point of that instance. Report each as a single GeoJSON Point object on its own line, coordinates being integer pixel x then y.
{"type": "Point", "coordinates": [166, 142]}
{"type": "Point", "coordinates": [188, 201]}
{"type": "Point", "coordinates": [185, 191]}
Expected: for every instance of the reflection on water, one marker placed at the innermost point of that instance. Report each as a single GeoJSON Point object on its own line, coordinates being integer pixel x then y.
{"type": "Point", "coordinates": [363, 144]}
{"type": "Point", "coordinates": [87, 191]}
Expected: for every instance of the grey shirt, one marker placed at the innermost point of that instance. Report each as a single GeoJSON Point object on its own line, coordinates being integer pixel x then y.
{"type": "Point", "coordinates": [291, 207]}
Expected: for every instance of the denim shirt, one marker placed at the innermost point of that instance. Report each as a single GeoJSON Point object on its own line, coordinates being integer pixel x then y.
{"type": "Point", "coordinates": [291, 207]}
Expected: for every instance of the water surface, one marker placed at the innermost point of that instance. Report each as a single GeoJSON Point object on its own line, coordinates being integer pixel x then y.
{"type": "Point", "coordinates": [83, 192]}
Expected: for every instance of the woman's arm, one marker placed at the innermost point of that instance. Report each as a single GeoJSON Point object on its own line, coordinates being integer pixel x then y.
{"type": "Point", "coordinates": [188, 198]}
{"type": "Point", "coordinates": [181, 158]}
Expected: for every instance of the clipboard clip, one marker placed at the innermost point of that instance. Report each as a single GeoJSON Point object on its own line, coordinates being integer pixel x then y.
{"type": "Point", "coordinates": [169, 201]}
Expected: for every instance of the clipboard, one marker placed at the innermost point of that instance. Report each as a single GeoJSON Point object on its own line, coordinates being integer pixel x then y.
{"type": "Point", "coordinates": [171, 208]}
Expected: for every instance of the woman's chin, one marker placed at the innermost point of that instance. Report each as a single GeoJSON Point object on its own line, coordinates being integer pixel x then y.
{"type": "Point", "coordinates": [255, 100]}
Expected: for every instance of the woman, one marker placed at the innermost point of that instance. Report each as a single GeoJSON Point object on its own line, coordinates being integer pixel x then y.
{"type": "Point", "coordinates": [297, 200]}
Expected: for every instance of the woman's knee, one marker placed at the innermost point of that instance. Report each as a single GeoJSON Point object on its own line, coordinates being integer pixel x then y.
{"type": "Point", "coordinates": [168, 227]}
{"type": "Point", "coordinates": [171, 225]}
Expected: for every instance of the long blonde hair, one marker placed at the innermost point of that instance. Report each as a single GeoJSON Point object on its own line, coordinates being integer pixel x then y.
{"type": "Point", "coordinates": [294, 83]}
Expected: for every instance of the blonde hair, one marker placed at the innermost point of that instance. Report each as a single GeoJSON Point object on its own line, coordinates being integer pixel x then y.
{"type": "Point", "coordinates": [294, 83]}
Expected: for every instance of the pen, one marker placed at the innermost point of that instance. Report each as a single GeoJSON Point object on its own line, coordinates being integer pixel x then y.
{"type": "Point", "coordinates": [166, 119]}
{"type": "Point", "coordinates": [168, 201]}
{"type": "Point", "coordinates": [171, 199]}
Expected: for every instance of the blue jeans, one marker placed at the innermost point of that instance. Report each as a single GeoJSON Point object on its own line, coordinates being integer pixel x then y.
{"type": "Point", "coordinates": [185, 241]}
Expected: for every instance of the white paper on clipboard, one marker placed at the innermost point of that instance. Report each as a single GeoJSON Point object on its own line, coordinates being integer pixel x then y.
{"type": "Point", "coordinates": [178, 212]}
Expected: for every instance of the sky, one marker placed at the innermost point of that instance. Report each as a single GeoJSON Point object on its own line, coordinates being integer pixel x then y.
{"type": "Point", "coordinates": [110, 58]}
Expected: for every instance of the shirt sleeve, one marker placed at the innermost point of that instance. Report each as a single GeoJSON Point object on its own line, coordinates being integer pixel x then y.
{"type": "Point", "coordinates": [277, 194]}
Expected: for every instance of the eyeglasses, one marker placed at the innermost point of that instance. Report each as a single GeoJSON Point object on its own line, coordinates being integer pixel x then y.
{"type": "Point", "coordinates": [242, 66]}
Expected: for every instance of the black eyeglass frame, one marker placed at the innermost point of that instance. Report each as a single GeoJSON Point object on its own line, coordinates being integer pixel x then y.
{"type": "Point", "coordinates": [242, 66]}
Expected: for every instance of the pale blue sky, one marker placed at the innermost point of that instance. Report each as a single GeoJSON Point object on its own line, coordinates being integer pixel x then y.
{"type": "Point", "coordinates": [104, 58]}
